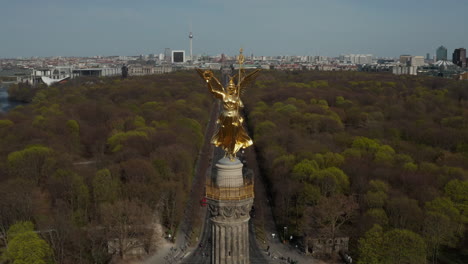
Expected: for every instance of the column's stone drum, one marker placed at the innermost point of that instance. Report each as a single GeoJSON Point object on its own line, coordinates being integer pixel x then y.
{"type": "Point", "coordinates": [230, 215]}
{"type": "Point", "coordinates": [229, 173]}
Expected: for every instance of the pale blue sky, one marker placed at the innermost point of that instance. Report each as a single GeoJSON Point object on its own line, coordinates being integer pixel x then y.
{"type": "Point", "coordinates": [262, 27]}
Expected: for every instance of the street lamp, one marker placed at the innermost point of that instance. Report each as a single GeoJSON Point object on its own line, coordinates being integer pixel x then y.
{"type": "Point", "coordinates": [284, 234]}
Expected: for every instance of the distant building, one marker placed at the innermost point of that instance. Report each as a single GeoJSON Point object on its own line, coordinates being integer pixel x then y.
{"type": "Point", "coordinates": [405, 60]}
{"type": "Point", "coordinates": [140, 70]}
{"type": "Point", "coordinates": [97, 72]}
{"type": "Point", "coordinates": [178, 56]}
{"type": "Point", "coordinates": [408, 60]}
{"type": "Point", "coordinates": [445, 64]}
{"type": "Point", "coordinates": [442, 68]}
{"type": "Point", "coordinates": [441, 53]}
{"type": "Point", "coordinates": [357, 58]}
{"type": "Point", "coordinates": [459, 57]}
{"type": "Point", "coordinates": [417, 61]}
{"type": "Point", "coordinates": [428, 56]}
{"type": "Point", "coordinates": [60, 72]}
{"type": "Point", "coordinates": [211, 66]}
{"type": "Point", "coordinates": [163, 69]}
{"type": "Point", "coordinates": [405, 70]}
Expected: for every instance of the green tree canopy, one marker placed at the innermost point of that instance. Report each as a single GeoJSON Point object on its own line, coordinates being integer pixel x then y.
{"type": "Point", "coordinates": [304, 169]}
{"type": "Point", "coordinates": [370, 246]}
{"type": "Point", "coordinates": [331, 180]}
{"type": "Point", "coordinates": [397, 246]}
{"type": "Point", "coordinates": [32, 162]}
{"type": "Point", "coordinates": [26, 247]}
{"type": "Point", "coordinates": [401, 246]}
{"type": "Point", "coordinates": [458, 192]}
{"type": "Point", "coordinates": [105, 188]}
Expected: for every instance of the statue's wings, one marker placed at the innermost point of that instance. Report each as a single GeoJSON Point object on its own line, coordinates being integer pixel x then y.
{"type": "Point", "coordinates": [247, 80]}
{"type": "Point", "coordinates": [213, 82]}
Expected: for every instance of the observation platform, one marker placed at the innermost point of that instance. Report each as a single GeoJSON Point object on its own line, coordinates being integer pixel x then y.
{"type": "Point", "coordinates": [230, 193]}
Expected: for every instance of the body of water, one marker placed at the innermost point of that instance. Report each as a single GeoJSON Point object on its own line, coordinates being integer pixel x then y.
{"type": "Point", "coordinates": [5, 104]}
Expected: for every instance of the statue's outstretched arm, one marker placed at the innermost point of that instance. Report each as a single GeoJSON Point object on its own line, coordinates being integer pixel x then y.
{"type": "Point", "coordinates": [217, 93]}
{"type": "Point", "coordinates": [214, 85]}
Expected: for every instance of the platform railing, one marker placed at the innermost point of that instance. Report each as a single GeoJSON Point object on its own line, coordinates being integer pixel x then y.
{"type": "Point", "coordinates": [230, 193]}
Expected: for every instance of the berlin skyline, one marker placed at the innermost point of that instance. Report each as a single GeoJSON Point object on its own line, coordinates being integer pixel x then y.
{"type": "Point", "coordinates": [262, 27]}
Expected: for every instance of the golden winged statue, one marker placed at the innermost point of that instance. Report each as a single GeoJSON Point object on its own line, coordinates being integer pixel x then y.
{"type": "Point", "coordinates": [230, 135]}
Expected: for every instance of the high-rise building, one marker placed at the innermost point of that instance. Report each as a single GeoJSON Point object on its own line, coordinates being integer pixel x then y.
{"type": "Point", "coordinates": [459, 57]}
{"type": "Point", "coordinates": [178, 56]}
{"type": "Point", "coordinates": [441, 53]}
{"type": "Point", "coordinates": [428, 56]}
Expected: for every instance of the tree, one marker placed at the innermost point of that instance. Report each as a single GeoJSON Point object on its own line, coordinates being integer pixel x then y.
{"type": "Point", "coordinates": [404, 212]}
{"type": "Point", "coordinates": [264, 128]}
{"type": "Point", "coordinates": [438, 230]}
{"type": "Point", "coordinates": [309, 195]}
{"type": "Point", "coordinates": [377, 194]}
{"type": "Point", "coordinates": [458, 192]}
{"type": "Point", "coordinates": [377, 216]}
{"type": "Point", "coordinates": [397, 246]}
{"type": "Point", "coordinates": [118, 139]}
{"type": "Point", "coordinates": [128, 225]}
{"type": "Point", "coordinates": [31, 162]}
{"type": "Point", "coordinates": [329, 159]}
{"type": "Point", "coordinates": [105, 188]}
{"type": "Point", "coordinates": [366, 144]}
{"type": "Point", "coordinates": [385, 155]}
{"type": "Point", "coordinates": [445, 206]}
{"type": "Point", "coordinates": [401, 246]}
{"type": "Point", "coordinates": [5, 123]}
{"type": "Point", "coordinates": [378, 186]}
{"type": "Point", "coordinates": [16, 203]}
{"type": "Point", "coordinates": [304, 169]}
{"type": "Point", "coordinates": [25, 246]}
{"type": "Point", "coordinates": [332, 212]}
{"type": "Point", "coordinates": [74, 130]}
{"type": "Point", "coordinates": [331, 180]}
{"type": "Point", "coordinates": [370, 246]}
{"type": "Point", "coordinates": [443, 225]}
{"type": "Point", "coordinates": [70, 187]}
{"type": "Point", "coordinates": [171, 205]}
{"type": "Point", "coordinates": [23, 92]}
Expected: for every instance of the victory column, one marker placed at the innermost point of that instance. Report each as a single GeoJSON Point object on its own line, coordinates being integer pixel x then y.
{"type": "Point", "coordinates": [229, 195]}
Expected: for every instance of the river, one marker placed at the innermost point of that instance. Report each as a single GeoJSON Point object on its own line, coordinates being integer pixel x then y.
{"type": "Point", "coordinates": [5, 104]}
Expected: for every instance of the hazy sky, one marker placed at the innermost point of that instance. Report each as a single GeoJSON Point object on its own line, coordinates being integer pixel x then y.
{"type": "Point", "coordinates": [262, 27]}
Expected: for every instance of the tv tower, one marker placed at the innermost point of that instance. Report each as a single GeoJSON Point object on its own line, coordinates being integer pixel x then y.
{"type": "Point", "coordinates": [191, 37]}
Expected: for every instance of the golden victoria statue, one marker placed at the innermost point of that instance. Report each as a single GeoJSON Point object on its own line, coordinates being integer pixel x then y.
{"type": "Point", "coordinates": [231, 135]}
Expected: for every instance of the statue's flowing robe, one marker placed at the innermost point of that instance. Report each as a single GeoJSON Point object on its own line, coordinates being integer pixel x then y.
{"type": "Point", "coordinates": [231, 135]}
